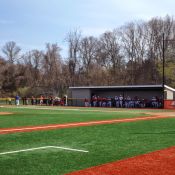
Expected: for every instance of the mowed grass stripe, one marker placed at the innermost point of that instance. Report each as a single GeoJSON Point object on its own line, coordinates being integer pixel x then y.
{"type": "Point", "coordinates": [105, 143]}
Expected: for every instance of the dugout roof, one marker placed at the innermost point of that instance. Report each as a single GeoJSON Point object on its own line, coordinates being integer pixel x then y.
{"type": "Point", "coordinates": [130, 87]}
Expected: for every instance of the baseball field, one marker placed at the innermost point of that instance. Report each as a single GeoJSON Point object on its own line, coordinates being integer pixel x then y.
{"type": "Point", "coordinates": [42, 140]}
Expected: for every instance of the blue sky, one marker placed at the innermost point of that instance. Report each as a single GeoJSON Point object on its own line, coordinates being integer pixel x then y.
{"type": "Point", "coordinates": [32, 23]}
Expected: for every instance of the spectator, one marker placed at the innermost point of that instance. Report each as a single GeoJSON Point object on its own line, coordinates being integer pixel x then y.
{"type": "Point", "coordinates": [128, 101]}
{"type": "Point", "coordinates": [9, 100]}
{"type": "Point", "coordinates": [41, 100]}
{"type": "Point", "coordinates": [153, 102]}
{"type": "Point", "coordinates": [26, 101]}
{"type": "Point", "coordinates": [86, 102]}
{"type": "Point", "coordinates": [99, 101]}
{"type": "Point", "coordinates": [94, 100]}
{"type": "Point", "coordinates": [104, 102]}
{"type": "Point", "coordinates": [117, 103]}
{"type": "Point", "coordinates": [109, 102]}
{"type": "Point", "coordinates": [23, 100]}
{"type": "Point", "coordinates": [132, 103]}
{"type": "Point", "coordinates": [121, 101]}
{"type": "Point", "coordinates": [17, 100]}
{"type": "Point", "coordinates": [32, 100]}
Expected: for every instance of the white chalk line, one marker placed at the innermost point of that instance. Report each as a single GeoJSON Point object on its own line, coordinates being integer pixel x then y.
{"type": "Point", "coordinates": [44, 147]}
{"type": "Point", "coordinates": [82, 123]}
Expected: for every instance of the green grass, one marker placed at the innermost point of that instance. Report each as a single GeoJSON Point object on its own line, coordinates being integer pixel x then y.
{"type": "Point", "coordinates": [105, 143]}
{"type": "Point", "coordinates": [30, 117]}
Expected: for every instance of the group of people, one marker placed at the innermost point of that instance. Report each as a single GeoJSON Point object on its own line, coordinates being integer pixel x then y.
{"type": "Point", "coordinates": [123, 102]}
{"type": "Point", "coordinates": [51, 100]}
{"type": "Point", "coordinates": [42, 100]}
{"type": "Point", "coordinates": [96, 101]}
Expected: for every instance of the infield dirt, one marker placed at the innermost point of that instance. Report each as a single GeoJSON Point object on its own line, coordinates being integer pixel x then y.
{"type": "Point", "coordinates": [5, 113]}
{"type": "Point", "coordinates": [160, 162]}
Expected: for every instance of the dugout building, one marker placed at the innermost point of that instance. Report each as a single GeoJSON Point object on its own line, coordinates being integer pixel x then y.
{"type": "Point", "coordinates": [77, 95]}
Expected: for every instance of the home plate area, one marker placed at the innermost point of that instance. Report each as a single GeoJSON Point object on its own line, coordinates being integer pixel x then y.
{"type": "Point", "coordinates": [44, 147]}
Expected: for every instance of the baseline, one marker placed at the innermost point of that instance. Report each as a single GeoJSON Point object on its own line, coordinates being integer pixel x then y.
{"type": "Point", "coordinates": [69, 125]}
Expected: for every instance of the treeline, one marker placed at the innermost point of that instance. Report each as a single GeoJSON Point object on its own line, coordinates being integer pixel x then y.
{"type": "Point", "coordinates": [129, 55]}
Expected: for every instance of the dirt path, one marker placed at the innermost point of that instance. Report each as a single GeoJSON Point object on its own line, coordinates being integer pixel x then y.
{"type": "Point", "coordinates": [161, 113]}
{"type": "Point", "coordinates": [160, 162]}
{"type": "Point", "coordinates": [5, 113]}
{"type": "Point", "coordinates": [69, 125]}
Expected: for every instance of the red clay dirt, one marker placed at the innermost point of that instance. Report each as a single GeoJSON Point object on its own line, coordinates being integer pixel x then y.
{"type": "Point", "coordinates": [69, 125]}
{"type": "Point", "coordinates": [160, 162]}
{"type": "Point", "coordinates": [5, 113]}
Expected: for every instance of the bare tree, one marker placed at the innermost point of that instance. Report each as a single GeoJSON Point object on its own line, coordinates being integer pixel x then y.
{"type": "Point", "coordinates": [131, 54]}
{"type": "Point", "coordinates": [113, 59]}
{"type": "Point", "coordinates": [52, 67]}
{"type": "Point", "coordinates": [33, 61]}
{"type": "Point", "coordinates": [11, 50]}
{"type": "Point", "coordinates": [73, 39]}
{"type": "Point", "coordinates": [88, 49]}
{"type": "Point", "coordinates": [133, 42]}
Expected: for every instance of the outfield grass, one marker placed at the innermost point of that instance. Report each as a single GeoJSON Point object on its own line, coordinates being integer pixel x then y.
{"type": "Point", "coordinates": [105, 143]}
{"type": "Point", "coordinates": [33, 117]}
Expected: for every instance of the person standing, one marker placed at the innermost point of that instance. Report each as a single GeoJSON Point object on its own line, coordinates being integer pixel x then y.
{"type": "Point", "coordinates": [17, 100]}
{"type": "Point", "coordinates": [94, 99]}
{"type": "Point", "coordinates": [86, 102]}
{"type": "Point", "coordinates": [128, 101]}
{"type": "Point", "coordinates": [10, 100]}
{"type": "Point", "coordinates": [32, 100]}
{"type": "Point", "coordinates": [41, 100]}
{"type": "Point", "coordinates": [99, 100]}
{"type": "Point", "coordinates": [109, 102]}
{"type": "Point", "coordinates": [121, 101]}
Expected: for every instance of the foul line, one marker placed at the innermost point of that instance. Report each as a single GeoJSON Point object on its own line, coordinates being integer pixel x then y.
{"type": "Point", "coordinates": [44, 147]}
{"type": "Point", "coordinates": [82, 124]}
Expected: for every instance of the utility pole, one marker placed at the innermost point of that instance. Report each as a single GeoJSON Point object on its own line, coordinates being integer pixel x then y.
{"type": "Point", "coordinates": [163, 68]}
